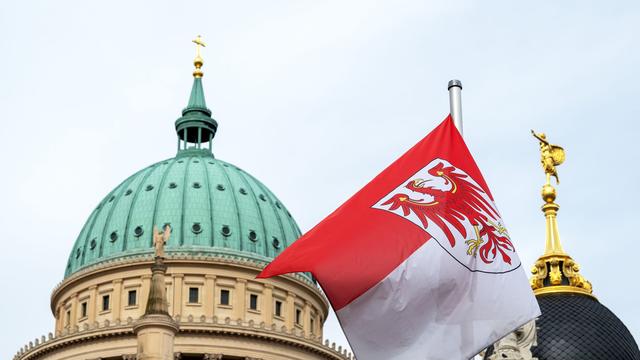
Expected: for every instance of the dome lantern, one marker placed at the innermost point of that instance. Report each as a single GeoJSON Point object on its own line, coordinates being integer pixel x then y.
{"type": "Point", "coordinates": [196, 128]}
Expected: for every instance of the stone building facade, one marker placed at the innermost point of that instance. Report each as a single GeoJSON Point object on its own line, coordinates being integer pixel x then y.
{"type": "Point", "coordinates": [225, 227]}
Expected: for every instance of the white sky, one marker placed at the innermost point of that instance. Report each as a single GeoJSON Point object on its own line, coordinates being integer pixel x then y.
{"type": "Point", "coordinates": [315, 98]}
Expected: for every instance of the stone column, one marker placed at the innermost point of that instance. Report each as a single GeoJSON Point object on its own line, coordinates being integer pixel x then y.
{"type": "Point", "coordinates": [59, 320]}
{"type": "Point", "coordinates": [117, 299]}
{"type": "Point", "coordinates": [177, 294]}
{"type": "Point", "coordinates": [155, 334]}
{"type": "Point", "coordinates": [74, 311]}
{"type": "Point", "coordinates": [306, 318]}
{"type": "Point", "coordinates": [144, 290]}
{"type": "Point", "coordinates": [290, 311]}
{"type": "Point", "coordinates": [240, 303]}
{"type": "Point", "coordinates": [267, 304]}
{"type": "Point", "coordinates": [156, 330]}
{"type": "Point", "coordinates": [92, 304]}
{"type": "Point", "coordinates": [209, 296]}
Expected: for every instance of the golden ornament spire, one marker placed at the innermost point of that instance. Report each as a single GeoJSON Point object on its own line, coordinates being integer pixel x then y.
{"type": "Point", "coordinates": [555, 271]}
{"type": "Point", "coordinates": [197, 62]}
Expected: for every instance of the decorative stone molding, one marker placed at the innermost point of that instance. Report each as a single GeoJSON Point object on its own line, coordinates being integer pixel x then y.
{"type": "Point", "coordinates": [37, 348]}
{"type": "Point", "coordinates": [144, 260]}
{"type": "Point", "coordinates": [311, 343]}
{"type": "Point", "coordinates": [516, 345]}
{"type": "Point", "coordinates": [148, 258]}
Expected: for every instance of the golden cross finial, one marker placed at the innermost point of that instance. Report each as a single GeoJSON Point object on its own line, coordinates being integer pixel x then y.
{"type": "Point", "coordinates": [198, 60]}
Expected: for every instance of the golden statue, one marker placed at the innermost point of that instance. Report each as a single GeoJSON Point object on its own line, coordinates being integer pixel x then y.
{"type": "Point", "coordinates": [550, 156]}
{"type": "Point", "coordinates": [160, 239]}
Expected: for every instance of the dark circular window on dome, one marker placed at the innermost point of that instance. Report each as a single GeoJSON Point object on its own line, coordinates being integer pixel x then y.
{"type": "Point", "coordinates": [196, 228]}
{"type": "Point", "coordinates": [211, 162]}
{"type": "Point", "coordinates": [220, 187]}
{"type": "Point", "coordinates": [180, 161]}
{"type": "Point", "coordinates": [196, 161]}
{"type": "Point", "coordinates": [92, 244]}
{"type": "Point", "coordinates": [252, 235]}
{"type": "Point", "coordinates": [78, 253]}
{"type": "Point", "coordinates": [173, 185]}
{"type": "Point", "coordinates": [111, 198]}
{"type": "Point", "coordinates": [196, 185]}
{"type": "Point", "coordinates": [114, 236]}
{"type": "Point", "coordinates": [262, 197]}
{"type": "Point", "coordinates": [128, 192]}
{"type": "Point", "coordinates": [243, 191]}
{"type": "Point", "coordinates": [149, 187]}
{"type": "Point", "coordinates": [278, 205]}
{"type": "Point", "coordinates": [138, 231]}
{"type": "Point", "coordinates": [275, 242]}
{"type": "Point", "coordinates": [225, 165]}
{"type": "Point", "coordinates": [226, 230]}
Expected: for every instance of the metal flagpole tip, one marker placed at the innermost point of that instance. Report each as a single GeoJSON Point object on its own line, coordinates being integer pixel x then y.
{"type": "Point", "coordinates": [453, 83]}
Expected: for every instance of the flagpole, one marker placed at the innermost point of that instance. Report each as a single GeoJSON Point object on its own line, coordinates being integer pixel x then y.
{"type": "Point", "coordinates": [455, 103]}
{"type": "Point", "coordinates": [455, 108]}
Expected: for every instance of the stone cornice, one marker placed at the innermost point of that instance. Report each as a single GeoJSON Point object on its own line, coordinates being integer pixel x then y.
{"type": "Point", "coordinates": [155, 320]}
{"type": "Point", "coordinates": [42, 346]}
{"type": "Point", "coordinates": [292, 337]}
{"type": "Point", "coordinates": [176, 258]}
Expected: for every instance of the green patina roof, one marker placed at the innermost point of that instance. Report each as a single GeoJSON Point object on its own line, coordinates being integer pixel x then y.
{"type": "Point", "coordinates": [213, 207]}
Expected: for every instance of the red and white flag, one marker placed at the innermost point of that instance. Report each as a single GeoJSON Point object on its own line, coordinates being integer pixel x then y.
{"type": "Point", "coordinates": [418, 264]}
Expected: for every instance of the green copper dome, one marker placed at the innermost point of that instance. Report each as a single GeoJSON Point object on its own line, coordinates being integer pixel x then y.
{"type": "Point", "coordinates": [213, 207]}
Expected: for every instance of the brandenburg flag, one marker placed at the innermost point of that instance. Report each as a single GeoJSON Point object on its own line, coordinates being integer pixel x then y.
{"type": "Point", "coordinates": [418, 264]}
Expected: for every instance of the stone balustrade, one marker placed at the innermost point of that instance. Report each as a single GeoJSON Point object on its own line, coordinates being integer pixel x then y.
{"type": "Point", "coordinates": [213, 323]}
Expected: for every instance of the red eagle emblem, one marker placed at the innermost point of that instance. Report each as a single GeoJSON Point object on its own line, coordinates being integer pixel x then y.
{"type": "Point", "coordinates": [444, 196]}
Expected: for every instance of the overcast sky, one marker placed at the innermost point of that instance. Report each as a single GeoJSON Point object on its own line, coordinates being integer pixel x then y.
{"type": "Point", "coordinates": [315, 98]}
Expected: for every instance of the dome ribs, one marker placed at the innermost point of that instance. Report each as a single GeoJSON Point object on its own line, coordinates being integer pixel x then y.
{"type": "Point", "coordinates": [161, 190]}
{"type": "Point", "coordinates": [184, 198]}
{"type": "Point", "coordinates": [270, 201]}
{"type": "Point", "coordinates": [245, 219]}
{"type": "Point", "coordinates": [259, 210]}
{"type": "Point", "coordinates": [209, 188]}
{"type": "Point", "coordinates": [197, 206]}
{"type": "Point", "coordinates": [235, 203]}
{"type": "Point", "coordinates": [117, 222]}
{"type": "Point", "coordinates": [82, 238]}
{"type": "Point", "coordinates": [120, 190]}
{"type": "Point", "coordinates": [136, 194]}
